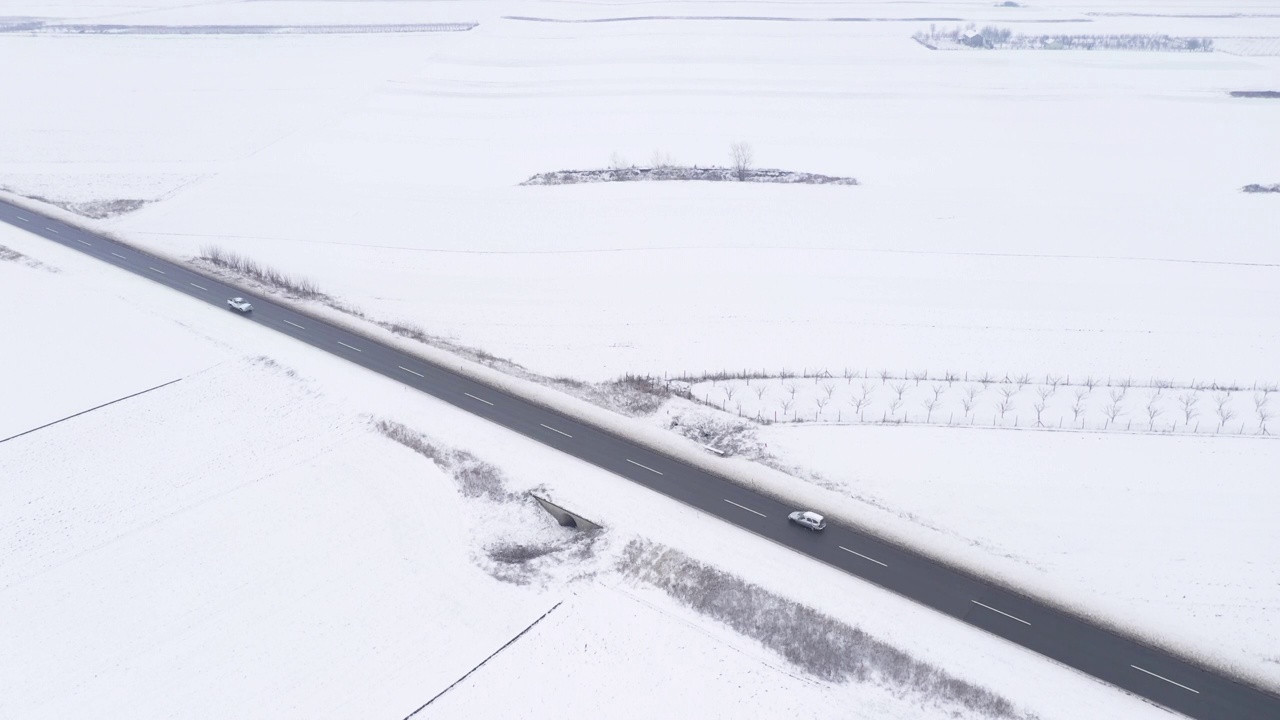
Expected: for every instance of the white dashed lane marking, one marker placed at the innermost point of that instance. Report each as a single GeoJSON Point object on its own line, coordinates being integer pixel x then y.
{"type": "Point", "coordinates": [349, 346]}
{"type": "Point", "coordinates": [864, 557]}
{"type": "Point", "coordinates": [410, 371]}
{"type": "Point", "coordinates": [646, 467]}
{"type": "Point", "coordinates": [473, 397]}
{"type": "Point", "coordinates": [744, 507]}
{"type": "Point", "coordinates": [555, 430]}
{"type": "Point", "coordinates": [1184, 687]}
{"type": "Point", "coordinates": [1024, 622]}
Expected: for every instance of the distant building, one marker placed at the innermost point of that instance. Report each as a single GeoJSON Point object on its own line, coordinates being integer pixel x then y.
{"type": "Point", "coordinates": [973, 38]}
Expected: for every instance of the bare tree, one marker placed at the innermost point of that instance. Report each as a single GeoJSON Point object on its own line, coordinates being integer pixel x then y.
{"type": "Point", "coordinates": [729, 391]}
{"type": "Point", "coordinates": [1118, 395]}
{"type": "Point", "coordinates": [791, 388]}
{"type": "Point", "coordinates": [1044, 393]}
{"type": "Point", "coordinates": [1153, 412]}
{"type": "Point", "coordinates": [1260, 400]}
{"type": "Point", "coordinates": [617, 162]}
{"type": "Point", "coordinates": [661, 160]}
{"type": "Point", "coordinates": [938, 389]}
{"type": "Point", "coordinates": [1188, 401]}
{"type": "Point", "coordinates": [930, 405]}
{"type": "Point", "coordinates": [884, 376]}
{"type": "Point", "coordinates": [899, 388]}
{"type": "Point", "coordinates": [786, 406]}
{"type": "Point", "coordinates": [1007, 392]}
{"type": "Point", "coordinates": [1039, 407]}
{"type": "Point", "coordinates": [829, 389]}
{"type": "Point", "coordinates": [1091, 382]}
{"type": "Point", "coordinates": [918, 376]}
{"type": "Point", "coordinates": [1224, 413]}
{"type": "Point", "coordinates": [967, 404]}
{"type": "Point", "coordinates": [1112, 410]}
{"type": "Point", "coordinates": [821, 403]}
{"type": "Point", "coordinates": [1264, 414]}
{"type": "Point", "coordinates": [743, 157]}
{"type": "Point", "coordinates": [986, 379]}
{"type": "Point", "coordinates": [894, 405]}
{"type": "Point", "coordinates": [760, 390]}
{"type": "Point", "coordinates": [1078, 406]}
{"type": "Point", "coordinates": [1005, 405]}
{"type": "Point", "coordinates": [861, 401]}
{"type": "Point", "coordinates": [1023, 379]}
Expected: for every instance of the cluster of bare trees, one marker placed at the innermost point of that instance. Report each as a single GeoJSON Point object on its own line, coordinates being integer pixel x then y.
{"type": "Point", "coordinates": [291, 285]}
{"type": "Point", "coordinates": [742, 158]}
{"type": "Point", "coordinates": [1256, 188]}
{"type": "Point", "coordinates": [992, 36]}
{"type": "Point", "coordinates": [662, 166]}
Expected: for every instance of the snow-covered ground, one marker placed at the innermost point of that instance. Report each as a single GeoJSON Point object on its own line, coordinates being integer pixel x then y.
{"type": "Point", "coordinates": [242, 542]}
{"type": "Point", "coordinates": [1066, 213]}
{"type": "Point", "coordinates": [1167, 537]}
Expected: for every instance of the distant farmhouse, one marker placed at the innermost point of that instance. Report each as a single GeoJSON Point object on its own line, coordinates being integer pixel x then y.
{"type": "Point", "coordinates": [973, 38]}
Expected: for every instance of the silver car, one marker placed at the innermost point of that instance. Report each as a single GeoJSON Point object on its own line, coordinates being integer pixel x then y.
{"type": "Point", "coordinates": [809, 519]}
{"type": "Point", "coordinates": [240, 305]}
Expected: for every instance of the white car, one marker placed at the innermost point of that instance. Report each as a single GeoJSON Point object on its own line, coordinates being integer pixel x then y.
{"type": "Point", "coordinates": [240, 305]}
{"type": "Point", "coordinates": [806, 518]}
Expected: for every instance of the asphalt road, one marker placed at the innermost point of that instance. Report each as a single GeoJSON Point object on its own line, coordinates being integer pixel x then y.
{"type": "Point", "coordinates": [1142, 670]}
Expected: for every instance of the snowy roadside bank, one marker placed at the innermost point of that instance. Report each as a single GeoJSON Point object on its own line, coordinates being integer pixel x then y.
{"type": "Point", "coordinates": [787, 488]}
{"type": "Point", "coordinates": [295, 560]}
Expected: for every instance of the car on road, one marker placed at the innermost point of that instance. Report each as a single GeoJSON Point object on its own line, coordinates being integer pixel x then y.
{"type": "Point", "coordinates": [240, 305]}
{"type": "Point", "coordinates": [808, 518]}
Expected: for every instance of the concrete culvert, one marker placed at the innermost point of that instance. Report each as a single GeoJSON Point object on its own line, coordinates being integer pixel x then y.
{"type": "Point", "coordinates": [564, 517]}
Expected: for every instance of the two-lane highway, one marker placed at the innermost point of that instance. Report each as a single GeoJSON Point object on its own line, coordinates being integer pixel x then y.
{"type": "Point", "coordinates": [1138, 668]}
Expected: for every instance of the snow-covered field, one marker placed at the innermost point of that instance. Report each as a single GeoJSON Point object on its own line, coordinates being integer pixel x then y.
{"type": "Point", "coordinates": [1075, 212]}
{"type": "Point", "coordinates": [1066, 213]}
{"type": "Point", "coordinates": [241, 543]}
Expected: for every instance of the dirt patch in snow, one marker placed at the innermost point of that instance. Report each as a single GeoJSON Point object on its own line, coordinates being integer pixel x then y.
{"type": "Point", "coordinates": [92, 209]}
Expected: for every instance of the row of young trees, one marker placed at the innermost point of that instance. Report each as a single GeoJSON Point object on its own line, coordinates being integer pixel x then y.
{"type": "Point", "coordinates": [1043, 406]}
